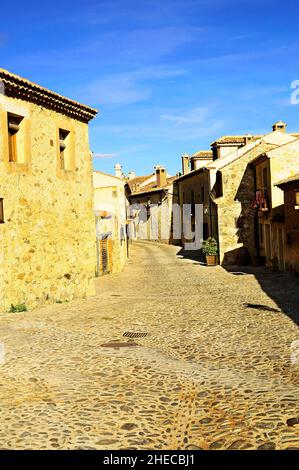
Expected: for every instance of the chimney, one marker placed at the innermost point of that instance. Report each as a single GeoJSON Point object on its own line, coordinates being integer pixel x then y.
{"type": "Point", "coordinates": [185, 163]}
{"type": "Point", "coordinates": [118, 170]}
{"type": "Point", "coordinates": [131, 175]}
{"type": "Point", "coordinates": [160, 176]}
{"type": "Point", "coordinates": [279, 126]}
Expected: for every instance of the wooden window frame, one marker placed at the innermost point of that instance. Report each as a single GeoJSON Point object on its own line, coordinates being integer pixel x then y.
{"type": "Point", "coordinates": [65, 149]}
{"type": "Point", "coordinates": [13, 128]}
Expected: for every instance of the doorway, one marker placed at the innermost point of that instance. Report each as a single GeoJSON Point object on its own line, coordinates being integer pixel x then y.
{"type": "Point", "coordinates": [268, 242]}
{"type": "Point", "coordinates": [280, 249]}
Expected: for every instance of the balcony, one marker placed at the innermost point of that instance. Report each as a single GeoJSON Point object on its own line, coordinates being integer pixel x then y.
{"type": "Point", "coordinates": [262, 200]}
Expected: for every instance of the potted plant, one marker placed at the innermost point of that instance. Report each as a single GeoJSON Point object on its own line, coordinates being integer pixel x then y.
{"type": "Point", "coordinates": [210, 249]}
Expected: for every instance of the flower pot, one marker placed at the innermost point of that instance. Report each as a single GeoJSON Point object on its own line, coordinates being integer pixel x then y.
{"type": "Point", "coordinates": [211, 260]}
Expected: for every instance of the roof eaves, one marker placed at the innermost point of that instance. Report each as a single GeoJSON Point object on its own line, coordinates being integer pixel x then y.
{"type": "Point", "coordinates": [21, 88]}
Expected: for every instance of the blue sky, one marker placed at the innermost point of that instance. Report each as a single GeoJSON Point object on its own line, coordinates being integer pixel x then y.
{"type": "Point", "coordinates": [168, 76]}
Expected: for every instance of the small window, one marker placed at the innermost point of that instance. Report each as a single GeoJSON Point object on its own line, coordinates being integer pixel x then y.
{"type": "Point", "coordinates": [297, 198]}
{"type": "Point", "coordinates": [1, 211]}
{"type": "Point", "coordinates": [63, 135]}
{"type": "Point", "coordinates": [192, 203]}
{"type": "Point", "coordinates": [202, 194]}
{"type": "Point", "coordinates": [218, 185]}
{"type": "Point", "coordinates": [265, 178]}
{"type": "Point", "coordinates": [239, 222]}
{"type": "Point", "coordinates": [14, 123]}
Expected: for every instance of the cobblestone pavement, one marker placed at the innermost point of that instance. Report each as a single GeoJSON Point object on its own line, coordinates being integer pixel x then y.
{"type": "Point", "coordinates": [213, 372]}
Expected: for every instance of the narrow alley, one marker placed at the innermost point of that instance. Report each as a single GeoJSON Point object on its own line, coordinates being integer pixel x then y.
{"type": "Point", "coordinates": [169, 354]}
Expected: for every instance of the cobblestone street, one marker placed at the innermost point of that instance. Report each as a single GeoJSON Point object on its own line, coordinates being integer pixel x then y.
{"type": "Point", "coordinates": [212, 372]}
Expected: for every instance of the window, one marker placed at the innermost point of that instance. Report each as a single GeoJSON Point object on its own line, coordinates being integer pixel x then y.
{"type": "Point", "coordinates": [265, 178]}
{"type": "Point", "coordinates": [1, 211]}
{"type": "Point", "coordinates": [218, 188]}
{"type": "Point", "coordinates": [239, 222]}
{"type": "Point", "coordinates": [297, 198]}
{"type": "Point", "coordinates": [63, 151]}
{"type": "Point", "coordinates": [192, 203]}
{"type": "Point", "coordinates": [14, 124]}
{"type": "Point", "coordinates": [202, 194]}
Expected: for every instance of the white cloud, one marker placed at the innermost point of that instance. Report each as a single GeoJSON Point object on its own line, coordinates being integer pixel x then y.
{"type": "Point", "coordinates": [105, 155]}
{"type": "Point", "coordinates": [127, 88]}
{"type": "Point", "coordinates": [194, 116]}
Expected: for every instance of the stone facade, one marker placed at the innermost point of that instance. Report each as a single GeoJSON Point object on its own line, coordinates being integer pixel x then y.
{"type": "Point", "coordinates": [229, 186]}
{"type": "Point", "coordinates": [151, 208]}
{"type": "Point", "coordinates": [233, 186]}
{"type": "Point", "coordinates": [48, 236]}
{"type": "Point", "coordinates": [110, 209]}
{"type": "Point", "coordinates": [291, 205]}
{"type": "Point", "coordinates": [193, 188]}
{"type": "Point", "coordinates": [275, 220]}
{"type": "Point", "coordinates": [236, 226]}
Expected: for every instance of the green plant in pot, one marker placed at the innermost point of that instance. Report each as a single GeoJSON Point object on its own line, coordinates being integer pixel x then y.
{"type": "Point", "coordinates": [210, 249]}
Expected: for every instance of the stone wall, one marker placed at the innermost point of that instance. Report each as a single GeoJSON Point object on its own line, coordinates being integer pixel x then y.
{"type": "Point", "coordinates": [109, 196]}
{"type": "Point", "coordinates": [235, 213]}
{"type": "Point", "coordinates": [48, 238]}
{"type": "Point", "coordinates": [198, 183]}
{"type": "Point", "coordinates": [281, 163]}
{"type": "Point", "coordinates": [157, 226]}
{"type": "Point", "coordinates": [292, 231]}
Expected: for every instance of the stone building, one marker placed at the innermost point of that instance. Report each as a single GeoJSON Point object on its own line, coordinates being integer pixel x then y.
{"type": "Point", "coordinates": [226, 186]}
{"type": "Point", "coordinates": [270, 168]}
{"type": "Point", "coordinates": [192, 188]}
{"type": "Point", "coordinates": [151, 201]}
{"type": "Point", "coordinates": [290, 187]}
{"type": "Point", "coordinates": [47, 220]}
{"type": "Point", "coordinates": [111, 220]}
{"type": "Point", "coordinates": [233, 186]}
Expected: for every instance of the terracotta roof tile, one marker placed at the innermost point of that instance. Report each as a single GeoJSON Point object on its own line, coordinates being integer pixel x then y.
{"type": "Point", "coordinates": [153, 186]}
{"type": "Point", "coordinates": [21, 88]}
{"type": "Point", "coordinates": [289, 180]}
{"type": "Point", "coordinates": [236, 139]}
{"type": "Point", "coordinates": [138, 180]}
{"type": "Point", "coordinates": [202, 154]}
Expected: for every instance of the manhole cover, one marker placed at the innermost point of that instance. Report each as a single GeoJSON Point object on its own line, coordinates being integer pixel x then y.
{"type": "Point", "coordinates": [133, 334]}
{"type": "Point", "coordinates": [119, 344]}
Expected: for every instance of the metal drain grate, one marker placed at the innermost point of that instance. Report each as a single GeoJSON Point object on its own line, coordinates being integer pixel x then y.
{"type": "Point", "coordinates": [133, 334]}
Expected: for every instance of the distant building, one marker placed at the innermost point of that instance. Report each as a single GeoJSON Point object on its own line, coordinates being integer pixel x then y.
{"type": "Point", "coordinates": [151, 199]}
{"type": "Point", "coordinates": [46, 195]}
{"type": "Point", "coordinates": [192, 188]}
{"type": "Point", "coordinates": [111, 220]}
